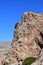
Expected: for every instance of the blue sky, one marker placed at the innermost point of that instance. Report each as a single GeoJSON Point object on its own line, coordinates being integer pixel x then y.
{"type": "Point", "coordinates": [11, 12]}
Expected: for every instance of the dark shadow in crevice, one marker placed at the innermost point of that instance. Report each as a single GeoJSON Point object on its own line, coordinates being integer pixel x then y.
{"type": "Point", "coordinates": [41, 34]}
{"type": "Point", "coordinates": [39, 43]}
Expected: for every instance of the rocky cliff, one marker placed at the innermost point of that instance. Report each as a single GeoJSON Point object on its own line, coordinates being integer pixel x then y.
{"type": "Point", "coordinates": [28, 40]}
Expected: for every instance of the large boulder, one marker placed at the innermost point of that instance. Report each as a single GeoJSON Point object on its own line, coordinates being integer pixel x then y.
{"type": "Point", "coordinates": [28, 38]}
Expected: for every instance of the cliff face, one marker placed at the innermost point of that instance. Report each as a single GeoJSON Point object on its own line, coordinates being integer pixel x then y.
{"type": "Point", "coordinates": [28, 38]}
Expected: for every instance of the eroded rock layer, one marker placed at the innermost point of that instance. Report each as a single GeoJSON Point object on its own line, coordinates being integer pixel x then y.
{"type": "Point", "coordinates": [28, 38]}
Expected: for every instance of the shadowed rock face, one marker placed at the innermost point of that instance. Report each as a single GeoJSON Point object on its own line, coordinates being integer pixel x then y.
{"type": "Point", "coordinates": [28, 38]}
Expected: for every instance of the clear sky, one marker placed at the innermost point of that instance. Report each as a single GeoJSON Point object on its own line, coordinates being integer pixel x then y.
{"type": "Point", "coordinates": [11, 12]}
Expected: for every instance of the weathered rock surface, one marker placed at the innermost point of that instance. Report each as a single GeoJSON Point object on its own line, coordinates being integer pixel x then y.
{"type": "Point", "coordinates": [28, 39]}
{"type": "Point", "coordinates": [39, 61]}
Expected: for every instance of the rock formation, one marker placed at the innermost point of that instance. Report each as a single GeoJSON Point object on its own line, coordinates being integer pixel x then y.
{"type": "Point", "coordinates": [28, 39]}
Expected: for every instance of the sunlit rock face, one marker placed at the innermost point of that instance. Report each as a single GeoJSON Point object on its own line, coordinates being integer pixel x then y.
{"type": "Point", "coordinates": [39, 61]}
{"type": "Point", "coordinates": [28, 38]}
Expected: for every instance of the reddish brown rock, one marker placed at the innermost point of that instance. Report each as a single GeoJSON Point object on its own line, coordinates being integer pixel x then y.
{"type": "Point", "coordinates": [28, 38]}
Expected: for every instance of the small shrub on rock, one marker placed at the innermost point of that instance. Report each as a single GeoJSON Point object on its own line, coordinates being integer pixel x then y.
{"type": "Point", "coordinates": [16, 25]}
{"type": "Point", "coordinates": [29, 61]}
